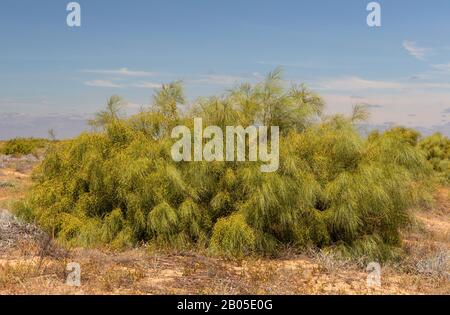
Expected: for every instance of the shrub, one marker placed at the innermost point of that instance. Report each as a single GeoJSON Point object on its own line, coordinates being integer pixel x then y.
{"type": "Point", "coordinates": [408, 135]}
{"type": "Point", "coordinates": [437, 151]}
{"type": "Point", "coordinates": [436, 148]}
{"type": "Point", "coordinates": [120, 186]}
{"type": "Point", "coordinates": [233, 236]}
{"type": "Point", "coordinates": [23, 146]}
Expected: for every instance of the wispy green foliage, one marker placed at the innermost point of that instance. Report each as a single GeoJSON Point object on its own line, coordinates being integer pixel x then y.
{"type": "Point", "coordinates": [408, 135]}
{"type": "Point", "coordinates": [167, 99]}
{"type": "Point", "coordinates": [110, 114]}
{"type": "Point", "coordinates": [333, 188]}
{"type": "Point", "coordinates": [233, 236]}
{"type": "Point", "coordinates": [437, 150]}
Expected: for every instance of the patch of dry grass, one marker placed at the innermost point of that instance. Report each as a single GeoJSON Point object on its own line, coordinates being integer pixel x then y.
{"type": "Point", "coordinates": [141, 272]}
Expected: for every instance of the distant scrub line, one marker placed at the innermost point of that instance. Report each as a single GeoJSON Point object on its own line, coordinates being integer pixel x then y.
{"type": "Point", "coordinates": [22, 146]}
{"type": "Point", "coordinates": [118, 185]}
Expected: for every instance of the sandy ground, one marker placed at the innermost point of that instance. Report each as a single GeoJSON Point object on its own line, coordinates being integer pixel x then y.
{"type": "Point", "coordinates": [31, 263]}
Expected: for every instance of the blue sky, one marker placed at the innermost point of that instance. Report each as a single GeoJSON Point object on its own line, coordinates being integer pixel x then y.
{"type": "Point", "coordinates": [54, 76]}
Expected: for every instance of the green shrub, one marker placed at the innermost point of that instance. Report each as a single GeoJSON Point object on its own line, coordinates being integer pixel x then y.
{"type": "Point", "coordinates": [23, 146]}
{"type": "Point", "coordinates": [408, 135]}
{"type": "Point", "coordinates": [437, 151]}
{"type": "Point", "coordinates": [436, 148]}
{"type": "Point", "coordinates": [233, 236]}
{"type": "Point", "coordinates": [120, 186]}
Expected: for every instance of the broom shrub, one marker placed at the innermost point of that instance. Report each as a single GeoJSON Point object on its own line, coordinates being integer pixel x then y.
{"type": "Point", "coordinates": [119, 186]}
{"type": "Point", "coordinates": [437, 151]}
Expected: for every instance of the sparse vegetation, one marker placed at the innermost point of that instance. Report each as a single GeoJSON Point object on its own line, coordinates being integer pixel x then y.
{"type": "Point", "coordinates": [22, 146]}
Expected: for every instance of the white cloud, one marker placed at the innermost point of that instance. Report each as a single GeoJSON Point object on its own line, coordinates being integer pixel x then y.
{"type": "Point", "coordinates": [218, 79]}
{"type": "Point", "coordinates": [431, 86]}
{"type": "Point", "coordinates": [102, 83]}
{"type": "Point", "coordinates": [122, 72]}
{"type": "Point", "coordinates": [355, 83]}
{"type": "Point", "coordinates": [285, 64]}
{"type": "Point", "coordinates": [224, 79]}
{"type": "Point", "coordinates": [147, 85]}
{"type": "Point", "coordinates": [426, 105]}
{"type": "Point", "coordinates": [27, 124]}
{"type": "Point", "coordinates": [442, 67]}
{"type": "Point", "coordinates": [395, 100]}
{"type": "Point", "coordinates": [416, 51]}
{"type": "Point", "coordinates": [111, 84]}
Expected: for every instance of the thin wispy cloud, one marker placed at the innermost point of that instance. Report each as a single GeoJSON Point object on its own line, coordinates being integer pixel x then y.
{"type": "Point", "coordinates": [102, 83]}
{"type": "Point", "coordinates": [65, 125]}
{"type": "Point", "coordinates": [427, 106]}
{"type": "Point", "coordinates": [204, 79]}
{"type": "Point", "coordinates": [416, 51]}
{"type": "Point", "coordinates": [122, 72]}
{"type": "Point", "coordinates": [225, 79]}
{"type": "Point", "coordinates": [112, 84]}
{"type": "Point", "coordinates": [431, 86]}
{"type": "Point", "coordinates": [146, 85]}
{"type": "Point", "coordinates": [354, 83]}
{"type": "Point", "coordinates": [442, 67]}
{"type": "Point", "coordinates": [217, 79]}
{"type": "Point", "coordinates": [303, 65]}
{"type": "Point", "coordinates": [285, 64]}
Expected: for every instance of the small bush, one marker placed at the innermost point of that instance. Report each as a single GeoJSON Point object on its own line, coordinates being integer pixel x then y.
{"type": "Point", "coordinates": [437, 150]}
{"type": "Point", "coordinates": [23, 146]}
{"type": "Point", "coordinates": [233, 236]}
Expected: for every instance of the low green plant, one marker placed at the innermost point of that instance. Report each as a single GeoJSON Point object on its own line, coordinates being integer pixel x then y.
{"type": "Point", "coordinates": [23, 146]}
{"type": "Point", "coordinates": [437, 151]}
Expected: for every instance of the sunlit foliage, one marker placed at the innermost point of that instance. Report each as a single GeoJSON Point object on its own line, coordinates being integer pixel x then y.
{"type": "Point", "coordinates": [437, 150]}
{"type": "Point", "coordinates": [22, 146]}
{"type": "Point", "coordinates": [334, 188]}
